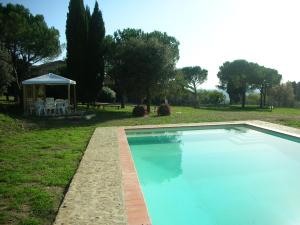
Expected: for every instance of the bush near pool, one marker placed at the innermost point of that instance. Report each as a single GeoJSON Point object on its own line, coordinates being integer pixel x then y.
{"type": "Point", "coordinates": [164, 110]}
{"type": "Point", "coordinates": [139, 111]}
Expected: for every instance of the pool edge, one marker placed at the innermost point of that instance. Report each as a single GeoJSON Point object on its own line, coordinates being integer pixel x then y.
{"type": "Point", "coordinates": [137, 212]}
{"type": "Point", "coordinates": [290, 131]}
{"type": "Point", "coordinates": [131, 184]}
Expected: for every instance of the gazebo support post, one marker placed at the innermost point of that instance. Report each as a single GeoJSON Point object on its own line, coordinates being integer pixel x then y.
{"type": "Point", "coordinates": [24, 98]}
{"type": "Point", "coordinates": [75, 102]}
{"type": "Point", "coordinates": [34, 94]}
{"type": "Point", "coordinates": [69, 93]}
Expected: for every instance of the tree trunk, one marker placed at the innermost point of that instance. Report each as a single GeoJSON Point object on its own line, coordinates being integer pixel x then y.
{"type": "Point", "coordinates": [195, 95]}
{"type": "Point", "coordinates": [265, 95]}
{"type": "Point", "coordinates": [122, 101]}
{"type": "Point", "coordinates": [230, 100]}
{"type": "Point", "coordinates": [243, 99]}
{"type": "Point", "coordinates": [19, 72]}
{"type": "Point", "coordinates": [17, 85]}
{"type": "Point", "coordinates": [148, 100]}
{"type": "Point", "coordinates": [261, 98]}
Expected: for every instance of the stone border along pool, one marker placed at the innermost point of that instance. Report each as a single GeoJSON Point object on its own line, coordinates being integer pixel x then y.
{"type": "Point", "coordinates": [105, 189]}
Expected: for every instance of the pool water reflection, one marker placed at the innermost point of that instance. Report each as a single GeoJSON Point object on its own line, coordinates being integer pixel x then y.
{"type": "Point", "coordinates": [218, 176]}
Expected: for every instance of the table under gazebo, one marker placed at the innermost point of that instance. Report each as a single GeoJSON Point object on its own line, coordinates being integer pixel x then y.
{"type": "Point", "coordinates": [37, 102]}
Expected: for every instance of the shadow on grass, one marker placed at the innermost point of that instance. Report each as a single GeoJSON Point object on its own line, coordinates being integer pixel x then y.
{"type": "Point", "coordinates": [91, 117]}
{"type": "Point", "coordinates": [95, 117]}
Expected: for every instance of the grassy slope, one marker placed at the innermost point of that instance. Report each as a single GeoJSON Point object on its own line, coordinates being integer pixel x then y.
{"type": "Point", "coordinates": [36, 167]}
{"type": "Point", "coordinates": [38, 157]}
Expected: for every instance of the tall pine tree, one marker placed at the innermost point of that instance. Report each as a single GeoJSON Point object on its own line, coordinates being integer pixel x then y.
{"type": "Point", "coordinates": [95, 69]}
{"type": "Point", "coordinates": [76, 35]}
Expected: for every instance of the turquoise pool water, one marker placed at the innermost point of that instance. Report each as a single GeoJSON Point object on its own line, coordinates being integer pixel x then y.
{"type": "Point", "coordinates": [218, 176]}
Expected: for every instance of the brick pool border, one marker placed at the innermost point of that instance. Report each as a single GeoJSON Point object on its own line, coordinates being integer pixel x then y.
{"type": "Point", "coordinates": [137, 213]}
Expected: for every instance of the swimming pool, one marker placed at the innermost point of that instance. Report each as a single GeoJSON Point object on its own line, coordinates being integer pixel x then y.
{"type": "Point", "coordinates": [218, 175]}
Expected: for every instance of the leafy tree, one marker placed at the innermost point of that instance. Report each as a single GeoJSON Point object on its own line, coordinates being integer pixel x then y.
{"type": "Point", "coordinates": [107, 95]}
{"type": "Point", "coordinates": [237, 78]}
{"type": "Point", "coordinates": [296, 87]}
{"type": "Point", "coordinates": [176, 90]}
{"type": "Point", "coordinates": [171, 43]}
{"type": "Point", "coordinates": [227, 84]}
{"type": "Point", "coordinates": [282, 95]}
{"type": "Point", "coordinates": [253, 98]}
{"type": "Point", "coordinates": [27, 40]}
{"type": "Point", "coordinates": [76, 35]}
{"type": "Point", "coordinates": [240, 76]}
{"type": "Point", "coordinates": [233, 91]}
{"type": "Point", "coordinates": [5, 72]}
{"type": "Point", "coordinates": [266, 78]}
{"type": "Point", "coordinates": [142, 63]}
{"type": "Point", "coordinates": [116, 47]}
{"type": "Point", "coordinates": [195, 76]}
{"type": "Point", "coordinates": [146, 64]}
{"type": "Point", "coordinates": [95, 68]}
{"type": "Point", "coordinates": [213, 97]}
{"type": "Point", "coordinates": [161, 54]}
{"type": "Point", "coordinates": [297, 91]}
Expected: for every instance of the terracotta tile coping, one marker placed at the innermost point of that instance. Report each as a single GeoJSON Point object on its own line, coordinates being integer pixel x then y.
{"type": "Point", "coordinates": [137, 213]}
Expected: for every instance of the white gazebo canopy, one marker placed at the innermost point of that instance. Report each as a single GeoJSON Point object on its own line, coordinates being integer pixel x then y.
{"type": "Point", "coordinates": [35, 88]}
{"type": "Point", "coordinates": [49, 79]}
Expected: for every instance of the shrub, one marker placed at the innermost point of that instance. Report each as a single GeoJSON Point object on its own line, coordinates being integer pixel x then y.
{"type": "Point", "coordinates": [211, 97]}
{"type": "Point", "coordinates": [164, 110]}
{"type": "Point", "coordinates": [107, 95]}
{"type": "Point", "coordinates": [139, 111]}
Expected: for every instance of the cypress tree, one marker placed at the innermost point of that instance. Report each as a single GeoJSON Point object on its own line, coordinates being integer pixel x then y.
{"type": "Point", "coordinates": [86, 58]}
{"type": "Point", "coordinates": [76, 35]}
{"type": "Point", "coordinates": [88, 15]}
{"type": "Point", "coordinates": [95, 57]}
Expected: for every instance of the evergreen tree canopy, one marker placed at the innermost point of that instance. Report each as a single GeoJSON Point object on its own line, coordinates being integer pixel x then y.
{"type": "Point", "coordinates": [5, 72]}
{"type": "Point", "coordinates": [85, 51]}
{"type": "Point", "coordinates": [95, 56]}
{"type": "Point", "coordinates": [27, 39]}
{"type": "Point", "coordinates": [194, 75]}
{"type": "Point", "coordinates": [240, 76]}
{"type": "Point", "coordinates": [142, 63]}
{"type": "Point", "coordinates": [76, 35]}
{"type": "Point", "coordinates": [237, 78]}
{"type": "Point", "coordinates": [266, 78]}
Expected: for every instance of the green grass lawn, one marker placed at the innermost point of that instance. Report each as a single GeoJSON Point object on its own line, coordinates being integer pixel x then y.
{"type": "Point", "coordinates": [39, 156]}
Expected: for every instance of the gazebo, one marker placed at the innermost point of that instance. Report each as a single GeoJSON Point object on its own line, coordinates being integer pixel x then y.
{"type": "Point", "coordinates": [35, 88]}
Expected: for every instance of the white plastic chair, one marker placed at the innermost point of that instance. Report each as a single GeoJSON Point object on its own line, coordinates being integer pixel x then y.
{"type": "Point", "coordinates": [39, 107]}
{"type": "Point", "coordinates": [30, 105]}
{"type": "Point", "coordinates": [50, 100]}
{"type": "Point", "coordinates": [67, 106]}
{"type": "Point", "coordinates": [49, 106]}
{"type": "Point", "coordinates": [60, 106]}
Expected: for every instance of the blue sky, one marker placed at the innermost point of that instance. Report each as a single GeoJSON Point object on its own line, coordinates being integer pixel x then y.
{"type": "Point", "coordinates": [210, 32]}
